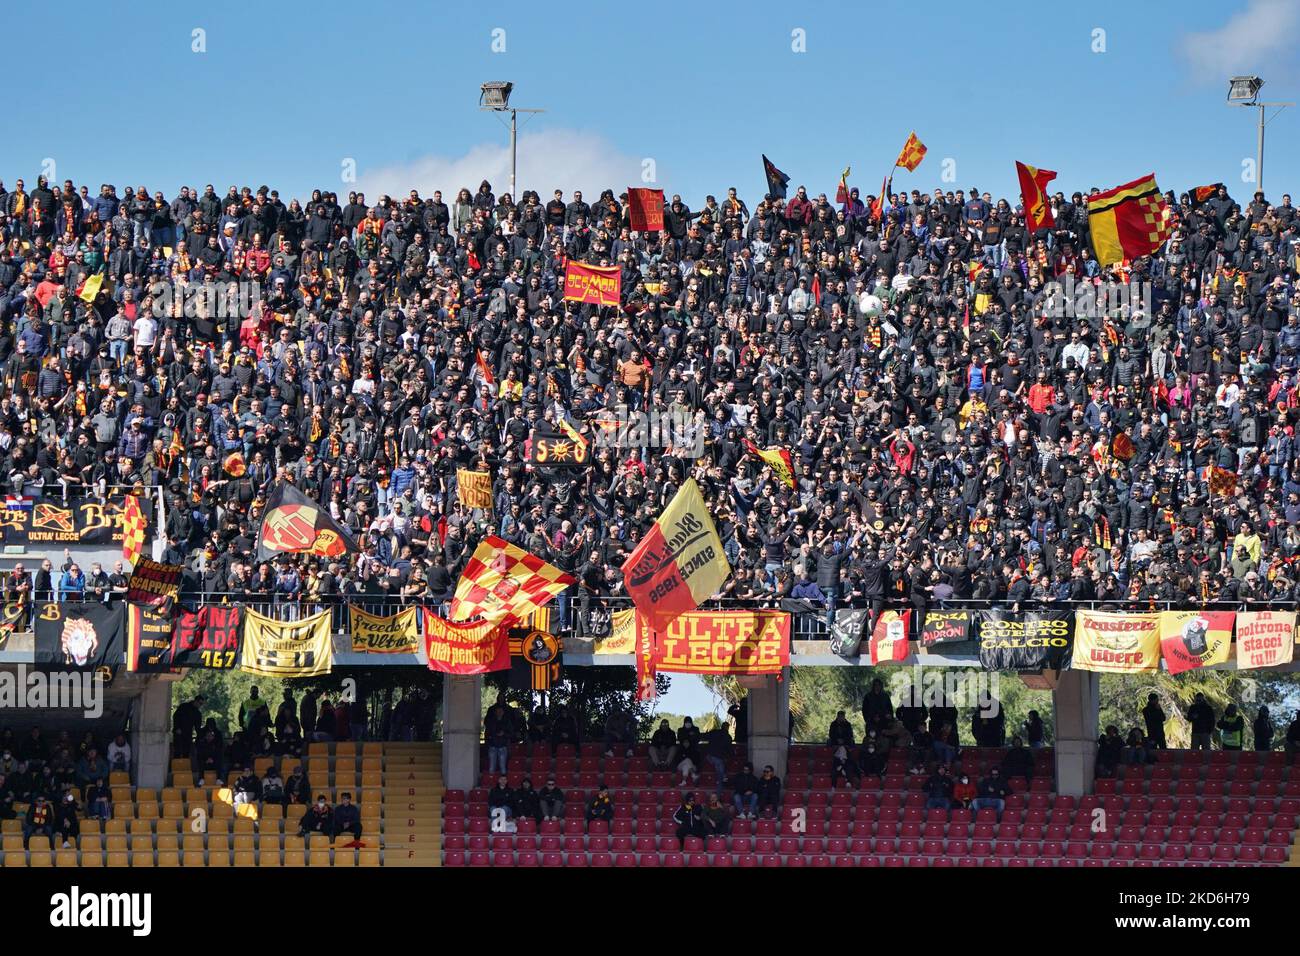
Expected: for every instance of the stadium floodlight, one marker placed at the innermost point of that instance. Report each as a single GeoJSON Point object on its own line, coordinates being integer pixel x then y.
{"type": "Point", "coordinates": [1244, 91]}
{"type": "Point", "coordinates": [495, 97]}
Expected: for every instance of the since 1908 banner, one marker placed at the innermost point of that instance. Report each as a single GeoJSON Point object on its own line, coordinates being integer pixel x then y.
{"type": "Point", "coordinates": [720, 642]}
{"type": "Point", "coordinates": [598, 285]}
{"type": "Point", "coordinates": [1115, 643]}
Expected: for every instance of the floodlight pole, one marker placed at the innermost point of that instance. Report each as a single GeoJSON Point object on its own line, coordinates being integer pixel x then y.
{"type": "Point", "coordinates": [514, 139]}
{"type": "Point", "coordinates": [1259, 140]}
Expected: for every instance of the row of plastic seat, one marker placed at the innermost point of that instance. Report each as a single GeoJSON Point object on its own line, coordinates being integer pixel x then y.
{"type": "Point", "coordinates": [677, 859]}
{"type": "Point", "coordinates": [192, 858]}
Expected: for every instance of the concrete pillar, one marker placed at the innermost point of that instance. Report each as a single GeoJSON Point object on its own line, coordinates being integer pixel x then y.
{"type": "Point", "coordinates": [151, 734]}
{"type": "Point", "coordinates": [462, 727]}
{"type": "Point", "coordinates": [769, 723]}
{"type": "Point", "coordinates": [1076, 704]}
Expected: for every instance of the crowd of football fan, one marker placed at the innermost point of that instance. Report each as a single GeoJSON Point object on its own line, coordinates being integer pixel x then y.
{"type": "Point", "coordinates": [952, 430]}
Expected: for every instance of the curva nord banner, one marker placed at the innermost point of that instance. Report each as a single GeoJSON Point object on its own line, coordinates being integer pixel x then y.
{"type": "Point", "coordinates": [1032, 641]}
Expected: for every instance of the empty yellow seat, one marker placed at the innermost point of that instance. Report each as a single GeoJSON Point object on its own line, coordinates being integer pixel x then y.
{"type": "Point", "coordinates": [15, 858]}
{"type": "Point", "coordinates": [368, 858]}
{"type": "Point", "coordinates": [318, 749]}
{"type": "Point", "coordinates": [43, 858]}
{"type": "Point", "coordinates": [91, 842]}
{"type": "Point", "coordinates": [147, 811]}
{"type": "Point", "coordinates": [244, 858]}
{"type": "Point", "coordinates": [192, 858]}
{"type": "Point", "coordinates": [13, 844]}
{"type": "Point", "coordinates": [168, 841]}
{"type": "Point", "coordinates": [116, 843]}
{"type": "Point", "coordinates": [372, 778]}
{"type": "Point", "coordinates": [173, 810]}
{"type": "Point", "coordinates": [169, 858]}
{"type": "Point", "coordinates": [270, 858]}
{"type": "Point", "coordinates": [293, 859]}
{"type": "Point", "coordinates": [243, 841]}
{"type": "Point", "coordinates": [119, 778]}
{"type": "Point", "coordinates": [221, 858]}
{"type": "Point", "coordinates": [192, 842]}
{"type": "Point", "coordinates": [345, 748]}
{"type": "Point", "coordinates": [144, 858]}
{"type": "Point", "coordinates": [115, 826]}
{"type": "Point", "coordinates": [117, 858]}
{"type": "Point", "coordinates": [345, 857]}
{"type": "Point", "coordinates": [372, 748]}
{"type": "Point", "coordinates": [272, 811]}
{"type": "Point", "coordinates": [92, 859]}
{"type": "Point", "coordinates": [123, 810]}
{"type": "Point", "coordinates": [318, 858]}
{"type": "Point", "coordinates": [181, 765]}
{"type": "Point", "coordinates": [39, 843]}
{"type": "Point", "coordinates": [142, 844]}
{"type": "Point", "coordinates": [140, 827]}
{"type": "Point", "coordinates": [11, 826]}
{"type": "Point", "coordinates": [171, 795]}
{"type": "Point", "coordinates": [65, 858]}
{"type": "Point", "coordinates": [372, 764]}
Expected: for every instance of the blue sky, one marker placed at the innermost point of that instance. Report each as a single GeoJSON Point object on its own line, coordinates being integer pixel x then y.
{"type": "Point", "coordinates": [286, 94]}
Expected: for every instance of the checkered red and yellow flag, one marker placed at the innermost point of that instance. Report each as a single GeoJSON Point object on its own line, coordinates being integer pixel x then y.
{"type": "Point", "coordinates": [134, 525]}
{"type": "Point", "coordinates": [502, 581]}
{"type": "Point", "coordinates": [1129, 221]}
{"type": "Point", "coordinates": [912, 153]}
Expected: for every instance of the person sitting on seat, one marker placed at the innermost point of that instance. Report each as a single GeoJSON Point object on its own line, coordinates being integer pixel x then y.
{"type": "Point", "coordinates": [501, 799]}
{"type": "Point", "coordinates": [297, 788]}
{"type": "Point", "coordinates": [744, 792]}
{"type": "Point", "coordinates": [689, 818]}
{"type": "Point", "coordinates": [99, 800]}
{"type": "Point", "coordinates": [551, 800]}
{"type": "Point", "coordinates": [564, 729]}
{"type": "Point", "coordinates": [1110, 751]}
{"type": "Point", "coordinates": [7, 811]}
{"type": "Point", "coordinates": [938, 790]}
{"type": "Point", "coordinates": [1019, 761]}
{"type": "Point", "coordinates": [871, 761]}
{"type": "Point", "coordinates": [601, 806]}
{"type": "Point", "coordinates": [40, 819]}
{"type": "Point", "coordinates": [318, 818]}
{"type": "Point", "coordinates": [1136, 750]}
{"type": "Point", "coordinates": [620, 732]}
{"type": "Point", "coordinates": [247, 788]}
{"type": "Point", "coordinates": [963, 791]}
{"type": "Point", "coordinates": [993, 792]}
{"type": "Point", "coordinates": [769, 791]}
{"type": "Point", "coordinates": [663, 747]}
{"type": "Point", "coordinates": [844, 767]}
{"type": "Point", "coordinates": [841, 731]}
{"type": "Point", "coordinates": [347, 818]}
{"type": "Point", "coordinates": [527, 803]}
{"type": "Point", "coordinates": [717, 817]}
{"type": "Point", "coordinates": [67, 825]}
{"type": "Point", "coordinates": [273, 787]}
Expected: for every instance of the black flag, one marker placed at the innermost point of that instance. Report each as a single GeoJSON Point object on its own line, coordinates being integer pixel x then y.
{"type": "Point", "coordinates": [776, 180]}
{"type": "Point", "coordinates": [292, 523]}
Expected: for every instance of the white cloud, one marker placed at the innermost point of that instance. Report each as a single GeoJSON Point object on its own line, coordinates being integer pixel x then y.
{"type": "Point", "coordinates": [548, 160]}
{"type": "Point", "coordinates": [1260, 36]}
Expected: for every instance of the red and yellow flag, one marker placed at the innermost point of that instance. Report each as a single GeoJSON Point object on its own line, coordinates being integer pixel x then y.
{"type": "Point", "coordinates": [679, 563]}
{"type": "Point", "coordinates": [234, 464]}
{"type": "Point", "coordinates": [599, 285]}
{"type": "Point", "coordinates": [134, 524]}
{"type": "Point", "coordinates": [1129, 221]}
{"type": "Point", "coordinates": [1191, 639]}
{"type": "Point", "coordinates": [778, 459]}
{"type": "Point", "coordinates": [1033, 193]}
{"type": "Point", "coordinates": [912, 153]}
{"type": "Point", "coordinates": [1222, 481]}
{"type": "Point", "coordinates": [645, 209]}
{"type": "Point", "coordinates": [842, 190]}
{"type": "Point", "coordinates": [502, 581]}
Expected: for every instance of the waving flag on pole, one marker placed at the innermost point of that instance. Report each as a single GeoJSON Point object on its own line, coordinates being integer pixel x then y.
{"type": "Point", "coordinates": [679, 563]}
{"type": "Point", "coordinates": [778, 459]}
{"type": "Point", "coordinates": [134, 524]}
{"type": "Point", "coordinates": [912, 153]}
{"type": "Point", "coordinates": [842, 191]}
{"type": "Point", "coordinates": [1033, 193]}
{"type": "Point", "coordinates": [1129, 221]}
{"type": "Point", "coordinates": [502, 581]}
{"type": "Point", "coordinates": [777, 181]}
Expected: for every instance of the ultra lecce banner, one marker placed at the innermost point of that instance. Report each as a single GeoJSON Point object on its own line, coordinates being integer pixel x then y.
{"type": "Point", "coordinates": [1111, 643]}
{"type": "Point", "coordinates": [392, 634]}
{"type": "Point", "coordinates": [476, 648]}
{"type": "Point", "coordinates": [721, 642]}
{"type": "Point", "coordinates": [288, 648]}
{"type": "Point", "coordinates": [31, 521]}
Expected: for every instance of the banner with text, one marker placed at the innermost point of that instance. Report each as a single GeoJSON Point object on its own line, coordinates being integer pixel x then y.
{"type": "Point", "coordinates": [1191, 639]}
{"type": "Point", "coordinates": [148, 640]}
{"type": "Point", "coordinates": [476, 648]}
{"type": "Point", "coordinates": [1112, 643]}
{"type": "Point", "coordinates": [599, 285]}
{"type": "Point", "coordinates": [272, 648]}
{"type": "Point", "coordinates": [28, 521]}
{"type": "Point", "coordinates": [1265, 638]}
{"type": "Point", "coordinates": [1033, 641]}
{"type": "Point", "coordinates": [720, 642]}
{"type": "Point", "coordinates": [392, 634]}
{"type": "Point", "coordinates": [208, 637]}
{"type": "Point", "coordinates": [154, 585]}
{"type": "Point", "coordinates": [945, 627]}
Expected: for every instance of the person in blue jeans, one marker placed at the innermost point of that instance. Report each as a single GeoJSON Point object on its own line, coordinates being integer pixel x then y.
{"type": "Point", "coordinates": [993, 792]}
{"type": "Point", "coordinates": [938, 790]}
{"type": "Point", "coordinates": [744, 796]}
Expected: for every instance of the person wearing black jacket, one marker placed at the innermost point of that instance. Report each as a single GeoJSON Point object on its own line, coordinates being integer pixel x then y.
{"type": "Point", "coordinates": [744, 788]}
{"type": "Point", "coordinates": [993, 792]}
{"type": "Point", "coordinates": [347, 818]}
{"type": "Point", "coordinates": [769, 791]}
{"type": "Point", "coordinates": [1263, 730]}
{"type": "Point", "coordinates": [689, 818]}
{"type": "Point", "coordinates": [185, 722]}
{"type": "Point", "coordinates": [1110, 751]}
{"type": "Point", "coordinates": [550, 801]}
{"type": "Point", "coordinates": [938, 790]}
{"type": "Point", "coordinates": [1292, 742]}
{"type": "Point", "coordinates": [318, 818]}
{"type": "Point", "coordinates": [1201, 716]}
{"type": "Point", "coordinates": [527, 803]}
{"type": "Point", "coordinates": [501, 797]}
{"type": "Point", "coordinates": [663, 747]}
{"type": "Point", "coordinates": [1019, 761]}
{"type": "Point", "coordinates": [876, 706]}
{"type": "Point", "coordinates": [1154, 717]}
{"type": "Point", "coordinates": [297, 789]}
